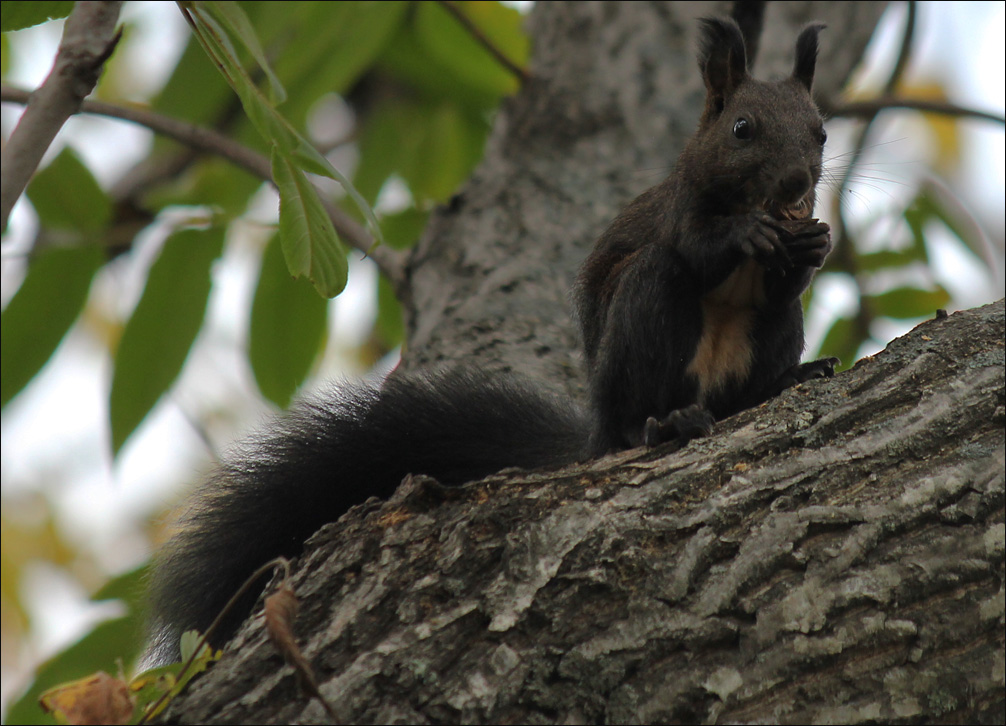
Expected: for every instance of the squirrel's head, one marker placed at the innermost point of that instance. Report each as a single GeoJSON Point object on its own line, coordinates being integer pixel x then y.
{"type": "Point", "coordinates": [759, 143]}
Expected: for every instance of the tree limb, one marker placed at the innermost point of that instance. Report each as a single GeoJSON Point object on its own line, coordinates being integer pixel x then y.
{"type": "Point", "coordinates": [835, 555]}
{"type": "Point", "coordinates": [210, 141]}
{"type": "Point", "coordinates": [89, 38]}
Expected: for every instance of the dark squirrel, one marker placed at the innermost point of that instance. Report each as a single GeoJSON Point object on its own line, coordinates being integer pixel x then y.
{"type": "Point", "coordinates": [689, 308]}
{"type": "Point", "coordinates": [689, 305]}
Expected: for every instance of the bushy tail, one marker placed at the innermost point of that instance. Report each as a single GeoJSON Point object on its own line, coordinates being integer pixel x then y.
{"type": "Point", "coordinates": [335, 450]}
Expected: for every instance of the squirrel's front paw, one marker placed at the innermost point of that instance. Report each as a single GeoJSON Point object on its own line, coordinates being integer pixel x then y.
{"type": "Point", "coordinates": [764, 239]}
{"type": "Point", "coordinates": [807, 241]}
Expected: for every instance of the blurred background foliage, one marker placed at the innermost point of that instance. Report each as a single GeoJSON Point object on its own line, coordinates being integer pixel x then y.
{"type": "Point", "coordinates": [127, 261]}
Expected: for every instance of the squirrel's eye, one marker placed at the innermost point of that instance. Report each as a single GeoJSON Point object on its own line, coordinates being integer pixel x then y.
{"type": "Point", "coordinates": [742, 129]}
{"type": "Point", "coordinates": [822, 136]}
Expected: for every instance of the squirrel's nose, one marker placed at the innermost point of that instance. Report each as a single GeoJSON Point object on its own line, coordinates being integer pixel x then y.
{"type": "Point", "coordinates": [793, 186]}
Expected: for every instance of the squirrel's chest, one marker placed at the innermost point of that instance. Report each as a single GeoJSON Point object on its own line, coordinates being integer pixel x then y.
{"type": "Point", "coordinates": [725, 352]}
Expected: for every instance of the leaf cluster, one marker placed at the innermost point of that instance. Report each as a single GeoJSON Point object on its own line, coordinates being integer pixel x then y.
{"type": "Point", "coordinates": [415, 94]}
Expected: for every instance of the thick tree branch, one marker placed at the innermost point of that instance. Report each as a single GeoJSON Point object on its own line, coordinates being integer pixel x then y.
{"type": "Point", "coordinates": [834, 556]}
{"type": "Point", "coordinates": [89, 38]}
{"type": "Point", "coordinates": [210, 141]}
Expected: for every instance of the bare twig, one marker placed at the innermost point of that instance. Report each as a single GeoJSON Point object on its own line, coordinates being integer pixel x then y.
{"type": "Point", "coordinates": [870, 108]}
{"type": "Point", "coordinates": [89, 38]}
{"type": "Point", "coordinates": [210, 141]}
{"type": "Point", "coordinates": [205, 637]}
{"type": "Point", "coordinates": [198, 137]}
{"type": "Point", "coordinates": [481, 37]}
{"type": "Point", "coordinates": [905, 51]}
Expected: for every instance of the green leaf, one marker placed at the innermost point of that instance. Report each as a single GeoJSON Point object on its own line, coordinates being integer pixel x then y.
{"type": "Point", "coordinates": [310, 245]}
{"type": "Point", "coordinates": [432, 147]}
{"type": "Point", "coordinates": [389, 143]}
{"type": "Point", "coordinates": [196, 91]}
{"type": "Point", "coordinates": [886, 259]}
{"type": "Point", "coordinates": [163, 326]}
{"type": "Point", "coordinates": [189, 641]}
{"type": "Point", "coordinates": [842, 341]}
{"type": "Point", "coordinates": [288, 321]}
{"type": "Point", "coordinates": [390, 325]}
{"type": "Point", "coordinates": [18, 15]}
{"type": "Point", "coordinates": [41, 312]}
{"type": "Point", "coordinates": [408, 60]}
{"type": "Point", "coordinates": [446, 40]}
{"type": "Point", "coordinates": [66, 196]}
{"type": "Point", "coordinates": [130, 587]}
{"type": "Point", "coordinates": [968, 234]}
{"type": "Point", "coordinates": [908, 302]}
{"type": "Point", "coordinates": [236, 24]}
{"type": "Point", "coordinates": [356, 35]}
{"type": "Point", "coordinates": [917, 215]}
{"type": "Point", "coordinates": [402, 230]}
{"type": "Point", "coordinates": [310, 160]}
{"type": "Point", "coordinates": [451, 149]}
{"type": "Point", "coordinates": [293, 147]}
{"type": "Point", "coordinates": [4, 55]}
{"type": "Point", "coordinates": [215, 42]}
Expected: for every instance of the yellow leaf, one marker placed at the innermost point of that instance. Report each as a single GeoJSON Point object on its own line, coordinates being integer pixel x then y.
{"type": "Point", "coordinates": [943, 126]}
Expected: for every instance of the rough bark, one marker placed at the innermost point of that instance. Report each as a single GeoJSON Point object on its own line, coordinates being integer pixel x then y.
{"type": "Point", "coordinates": [835, 555]}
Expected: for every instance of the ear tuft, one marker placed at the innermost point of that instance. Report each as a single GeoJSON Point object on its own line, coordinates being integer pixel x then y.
{"type": "Point", "coordinates": [722, 57]}
{"type": "Point", "coordinates": [806, 55]}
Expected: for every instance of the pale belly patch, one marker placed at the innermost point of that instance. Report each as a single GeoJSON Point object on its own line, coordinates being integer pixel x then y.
{"type": "Point", "coordinates": [724, 353]}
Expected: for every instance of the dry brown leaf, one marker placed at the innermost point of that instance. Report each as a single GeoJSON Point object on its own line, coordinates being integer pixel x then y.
{"type": "Point", "coordinates": [97, 699]}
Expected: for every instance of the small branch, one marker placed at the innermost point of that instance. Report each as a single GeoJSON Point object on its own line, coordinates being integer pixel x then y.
{"type": "Point", "coordinates": [160, 168]}
{"type": "Point", "coordinates": [204, 637]}
{"type": "Point", "coordinates": [89, 38]}
{"type": "Point", "coordinates": [198, 137]}
{"type": "Point", "coordinates": [213, 142]}
{"type": "Point", "coordinates": [869, 109]}
{"type": "Point", "coordinates": [905, 51]}
{"type": "Point", "coordinates": [452, 8]}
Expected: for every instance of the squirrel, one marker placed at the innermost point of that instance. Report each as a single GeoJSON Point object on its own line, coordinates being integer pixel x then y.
{"type": "Point", "coordinates": [689, 310]}
{"type": "Point", "coordinates": [689, 305]}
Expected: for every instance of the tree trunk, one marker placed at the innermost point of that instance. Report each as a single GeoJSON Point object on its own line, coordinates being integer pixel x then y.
{"type": "Point", "coordinates": [834, 555]}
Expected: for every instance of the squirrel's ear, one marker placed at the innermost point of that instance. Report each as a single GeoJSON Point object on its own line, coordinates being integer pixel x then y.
{"type": "Point", "coordinates": [722, 59]}
{"type": "Point", "coordinates": [806, 54]}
